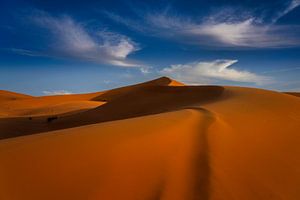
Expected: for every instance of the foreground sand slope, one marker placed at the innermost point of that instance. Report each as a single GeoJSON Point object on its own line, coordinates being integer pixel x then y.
{"type": "Point", "coordinates": [140, 158]}
{"type": "Point", "coordinates": [238, 143]}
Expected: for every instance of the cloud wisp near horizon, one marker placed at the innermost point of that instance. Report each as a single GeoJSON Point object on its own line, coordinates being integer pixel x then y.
{"type": "Point", "coordinates": [206, 72]}
{"type": "Point", "coordinates": [57, 92]}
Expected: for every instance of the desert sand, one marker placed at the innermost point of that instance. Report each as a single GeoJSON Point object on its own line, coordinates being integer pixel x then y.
{"type": "Point", "coordinates": [158, 140]}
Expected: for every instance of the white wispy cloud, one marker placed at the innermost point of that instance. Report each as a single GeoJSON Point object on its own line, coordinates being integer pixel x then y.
{"type": "Point", "coordinates": [57, 92]}
{"type": "Point", "coordinates": [290, 6]}
{"type": "Point", "coordinates": [224, 28]}
{"type": "Point", "coordinates": [210, 71]}
{"type": "Point", "coordinates": [293, 4]}
{"type": "Point", "coordinates": [72, 39]}
{"type": "Point", "coordinates": [230, 33]}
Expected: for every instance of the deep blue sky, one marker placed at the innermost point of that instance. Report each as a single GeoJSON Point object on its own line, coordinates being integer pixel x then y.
{"type": "Point", "coordinates": [83, 46]}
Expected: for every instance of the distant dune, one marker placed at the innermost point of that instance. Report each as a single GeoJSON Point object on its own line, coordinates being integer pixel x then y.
{"type": "Point", "coordinates": [7, 96]}
{"type": "Point", "coordinates": [155, 140]}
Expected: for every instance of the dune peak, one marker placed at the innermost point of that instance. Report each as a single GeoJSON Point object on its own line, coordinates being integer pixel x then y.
{"type": "Point", "coordinates": [165, 81]}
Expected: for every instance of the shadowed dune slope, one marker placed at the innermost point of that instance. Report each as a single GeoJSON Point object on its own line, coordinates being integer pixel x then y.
{"type": "Point", "coordinates": [18, 105]}
{"type": "Point", "coordinates": [297, 94]}
{"type": "Point", "coordinates": [137, 102]}
{"type": "Point", "coordinates": [160, 142]}
{"type": "Point", "coordinates": [115, 93]}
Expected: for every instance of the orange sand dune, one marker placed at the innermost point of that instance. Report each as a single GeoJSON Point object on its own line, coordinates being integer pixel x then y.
{"type": "Point", "coordinates": [17, 105]}
{"type": "Point", "coordinates": [159, 141]}
{"type": "Point", "coordinates": [142, 99]}
{"type": "Point", "coordinates": [29, 109]}
{"type": "Point", "coordinates": [7, 96]}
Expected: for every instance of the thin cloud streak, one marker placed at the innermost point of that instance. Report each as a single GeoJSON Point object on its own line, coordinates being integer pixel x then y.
{"type": "Point", "coordinates": [291, 6]}
{"type": "Point", "coordinates": [25, 52]}
{"type": "Point", "coordinates": [57, 92]}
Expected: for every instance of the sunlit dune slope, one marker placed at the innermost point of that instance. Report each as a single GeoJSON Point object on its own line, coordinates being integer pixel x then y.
{"type": "Point", "coordinates": [46, 105]}
{"type": "Point", "coordinates": [7, 96]}
{"type": "Point", "coordinates": [255, 145]}
{"type": "Point", "coordinates": [158, 141]}
{"type": "Point", "coordinates": [129, 159]}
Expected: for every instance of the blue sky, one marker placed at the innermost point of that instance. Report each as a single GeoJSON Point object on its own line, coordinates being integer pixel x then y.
{"type": "Point", "coordinates": [49, 47]}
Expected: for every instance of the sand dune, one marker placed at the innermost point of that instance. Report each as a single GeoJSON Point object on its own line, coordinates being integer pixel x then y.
{"type": "Point", "coordinates": [17, 105]}
{"type": "Point", "coordinates": [143, 99]}
{"type": "Point", "coordinates": [156, 140]}
{"type": "Point", "coordinates": [8, 96]}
